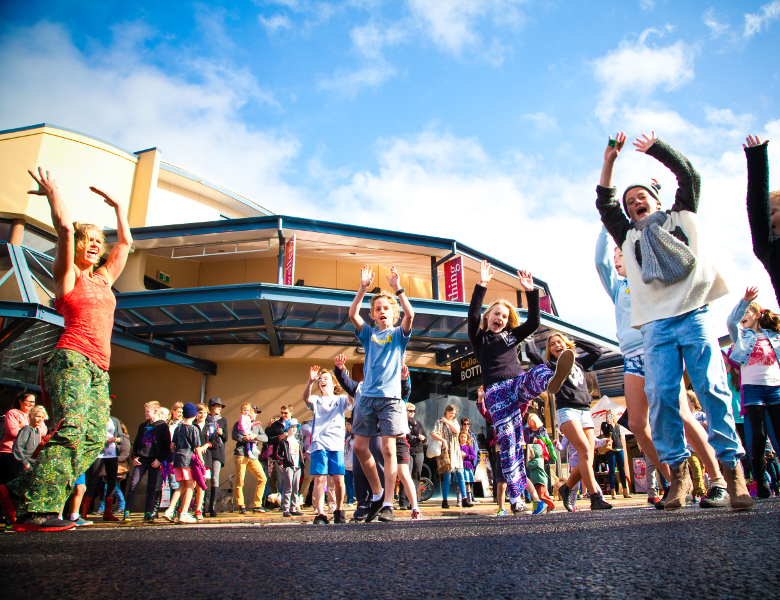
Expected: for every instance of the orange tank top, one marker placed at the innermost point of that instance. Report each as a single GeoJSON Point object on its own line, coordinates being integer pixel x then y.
{"type": "Point", "coordinates": [88, 310]}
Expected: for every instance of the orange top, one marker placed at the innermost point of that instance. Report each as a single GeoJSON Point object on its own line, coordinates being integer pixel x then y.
{"type": "Point", "coordinates": [88, 310]}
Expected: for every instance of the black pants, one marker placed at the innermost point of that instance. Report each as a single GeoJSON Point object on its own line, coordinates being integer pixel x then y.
{"type": "Point", "coordinates": [415, 467]}
{"type": "Point", "coordinates": [757, 416]}
{"type": "Point", "coordinates": [363, 492]}
{"type": "Point", "coordinates": [95, 482]}
{"type": "Point", "coordinates": [8, 467]}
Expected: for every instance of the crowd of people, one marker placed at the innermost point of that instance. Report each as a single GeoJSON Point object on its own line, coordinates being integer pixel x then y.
{"type": "Point", "coordinates": [658, 276]}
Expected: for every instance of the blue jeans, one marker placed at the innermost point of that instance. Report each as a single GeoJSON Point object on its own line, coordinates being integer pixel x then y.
{"type": "Point", "coordinates": [691, 338]}
{"type": "Point", "coordinates": [349, 483]}
{"type": "Point", "coordinates": [613, 457]}
{"type": "Point", "coordinates": [120, 501]}
{"type": "Point", "coordinates": [445, 484]}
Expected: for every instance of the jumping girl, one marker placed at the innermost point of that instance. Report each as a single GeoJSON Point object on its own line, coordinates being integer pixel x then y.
{"type": "Point", "coordinates": [573, 412]}
{"type": "Point", "coordinates": [494, 336]}
{"type": "Point", "coordinates": [75, 375]}
{"type": "Point", "coordinates": [757, 351]}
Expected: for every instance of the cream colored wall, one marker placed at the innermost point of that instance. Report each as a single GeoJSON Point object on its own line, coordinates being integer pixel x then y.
{"type": "Point", "coordinates": [261, 270]}
{"type": "Point", "coordinates": [183, 273]}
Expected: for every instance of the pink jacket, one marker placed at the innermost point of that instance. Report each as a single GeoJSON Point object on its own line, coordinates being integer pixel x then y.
{"type": "Point", "coordinates": [15, 419]}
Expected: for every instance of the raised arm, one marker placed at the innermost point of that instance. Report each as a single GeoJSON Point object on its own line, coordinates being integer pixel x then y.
{"type": "Point", "coordinates": [64, 274]}
{"type": "Point", "coordinates": [394, 279]}
{"type": "Point", "coordinates": [591, 355]}
{"type": "Point", "coordinates": [758, 209]}
{"type": "Point", "coordinates": [534, 356]}
{"type": "Point", "coordinates": [406, 386]}
{"type": "Point", "coordinates": [532, 322]}
{"type": "Point", "coordinates": [348, 385]}
{"type": "Point", "coordinates": [605, 264]}
{"type": "Point", "coordinates": [314, 372]}
{"type": "Point", "coordinates": [477, 298]}
{"type": "Point", "coordinates": [738, 313]}
{"type": "Point", "coordinates": [481, 405]}
{"type": "Point", "coordinates": [366, 277]}
{"type": "Point", "coordinates": [612, 215]}
{"type": "Point", "coordinates": [688, 178]}
{"type": "Point", "coordinates": [117, 258]}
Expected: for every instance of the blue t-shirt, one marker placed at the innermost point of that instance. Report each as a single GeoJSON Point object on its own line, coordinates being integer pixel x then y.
{"type": "Point", "coordinates": [384, 356]}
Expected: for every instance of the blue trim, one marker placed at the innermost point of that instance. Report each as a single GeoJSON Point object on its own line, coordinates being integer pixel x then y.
{"type": "Point", "coordinates": [129, 154]}
{"type": "Point", "coordinates": [23, 275]}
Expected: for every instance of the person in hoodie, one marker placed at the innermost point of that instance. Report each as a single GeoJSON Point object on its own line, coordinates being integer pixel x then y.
{"type": "Point", "coordinates": [151, 446]}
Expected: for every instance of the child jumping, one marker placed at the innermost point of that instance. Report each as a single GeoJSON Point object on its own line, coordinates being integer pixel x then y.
{"type": "Point", "coordinates": [380, 404]}
{"type": "Point", "coordinates": [672, 284]}
{"type": "Point", "coordinates": [494, 336]}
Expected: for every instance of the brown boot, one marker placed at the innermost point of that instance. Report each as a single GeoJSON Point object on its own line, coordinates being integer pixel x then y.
{"type": "Point", "coordinates": [86, 504]}
{"type": "Point", "coordinates": [679, 488]}
{"type": "Point", "coordinates": [108, 510]}
{"type": "Point", "coordinates": [738, 492]}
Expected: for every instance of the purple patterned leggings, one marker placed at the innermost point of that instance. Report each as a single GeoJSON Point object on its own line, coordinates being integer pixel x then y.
{"type": "Point", "coordinates": [507, 402]}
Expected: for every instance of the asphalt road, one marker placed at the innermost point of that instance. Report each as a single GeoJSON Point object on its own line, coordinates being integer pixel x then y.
{"type": "Point", "coordinates": [627, 553]}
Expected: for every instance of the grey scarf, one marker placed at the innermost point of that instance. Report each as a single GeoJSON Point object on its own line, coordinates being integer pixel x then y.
{"type": "Point", "coordinates": [664, 257]}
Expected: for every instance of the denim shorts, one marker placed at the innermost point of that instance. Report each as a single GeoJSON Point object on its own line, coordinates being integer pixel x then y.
{"type": "Point", "coordinates": [327, 462]}
{"type": "Point", "coordinates": [581, 415]}
{"type": "Point", "coordinates": [634, 365]}
{"type": "Point", "coordinates": [379, 416]}
{"type": "Point", "coordinates": [760, 395]}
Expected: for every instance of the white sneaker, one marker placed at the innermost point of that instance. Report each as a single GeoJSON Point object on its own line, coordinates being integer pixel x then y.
{"type": "Point", "coordinates": [186, 518]}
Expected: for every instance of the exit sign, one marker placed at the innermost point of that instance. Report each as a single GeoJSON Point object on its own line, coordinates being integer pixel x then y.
{"type": "Point", "coordinates": [163, 277]}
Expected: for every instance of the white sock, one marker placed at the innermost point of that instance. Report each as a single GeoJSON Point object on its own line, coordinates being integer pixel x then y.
{"type": "Point", "coordinates": [376, 497]}
{"type": "Point", "coordinates": [74, 517]}
{"type": "Point", "coordinates": [390, 504]}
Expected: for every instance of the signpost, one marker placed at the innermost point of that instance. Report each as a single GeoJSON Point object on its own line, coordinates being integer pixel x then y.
{"type": "Point", "coordinates": [289, 261]}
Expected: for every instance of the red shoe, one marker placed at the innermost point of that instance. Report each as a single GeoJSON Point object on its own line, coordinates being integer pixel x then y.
{"type": "Point", "coordinates": [654, 500]}
{"type": "Point", "coordinates": [9, 508]}
{"type": "Point", "coordinates": [43, 523]}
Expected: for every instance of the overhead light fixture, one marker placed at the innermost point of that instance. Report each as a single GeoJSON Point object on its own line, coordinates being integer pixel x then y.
{"type": "Point", "coordinates": [220, 249]}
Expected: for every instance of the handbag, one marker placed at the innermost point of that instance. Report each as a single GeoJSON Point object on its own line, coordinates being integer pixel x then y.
{"type": "Point", "coordinates": [443, 460]}
{"type": "Point", "coordinates": [606, 447]}
{"type": "Point", "coordinates": [434, 449]}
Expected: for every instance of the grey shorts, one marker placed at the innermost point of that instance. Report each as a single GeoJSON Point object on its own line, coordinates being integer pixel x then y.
{"type": "Point", "coordinates": [379, 416]}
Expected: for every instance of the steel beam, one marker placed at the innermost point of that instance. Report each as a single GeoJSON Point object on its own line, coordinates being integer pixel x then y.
{"type": "Point", "coordinates": [157, 350]}
{"type": "Point", "coordinates": [277, 348]}
{"type": "Point", "coordinates": [14, 331]}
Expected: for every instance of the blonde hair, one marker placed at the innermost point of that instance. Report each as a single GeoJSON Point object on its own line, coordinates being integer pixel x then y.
{"type": "Point", "coordinates": [38, 408]}
{"type": "Point", "coordinates": [511, 322]}
{"type": "Point", "coordinates": [391, 299]}
{"type": "Point", "coordinates": [336, 387]}
{"type": "Point", "coordinates": [81, 234]}
{"type": "Point", "coordinates": [535, 418]}
{"type": "Point", "coordinates": [164, 414]}
{"type": "Point", "coordinates": [153, 404]}
{"type": "Point", "coordinates": [244, 405]}
{"type": "Point", "coordinates": [774, 196]}
{"type": "Point", "coordinates": [693, 400]}
{"type": "Point", "coordinates": [287, 407]}
{"type": "Point", "coordinates": [569, 344]}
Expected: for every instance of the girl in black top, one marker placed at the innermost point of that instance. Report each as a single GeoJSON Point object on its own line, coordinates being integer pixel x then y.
{"type": "Point", "coordinates": [612, 430]}
{"type": "Point", "coordinates": [509, 390]}
{"type": "Point", "coordinates": [572, 413]}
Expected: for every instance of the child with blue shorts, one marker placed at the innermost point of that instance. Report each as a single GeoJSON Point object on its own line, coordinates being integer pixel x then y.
{"type": "Point", "coordinates": [380, 404]}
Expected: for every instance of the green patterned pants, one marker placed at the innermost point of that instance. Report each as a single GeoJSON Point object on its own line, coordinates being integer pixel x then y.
{"type": "Point", "coordinates": [78, 389]}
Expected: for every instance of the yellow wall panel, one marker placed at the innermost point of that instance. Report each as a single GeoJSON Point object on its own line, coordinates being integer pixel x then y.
{"type": "Point", "coordinates": [261, 270]}
{"type": "Point", "coordinates": [184, 273]}
{"type": "Point", "coordinates": [222, 272]}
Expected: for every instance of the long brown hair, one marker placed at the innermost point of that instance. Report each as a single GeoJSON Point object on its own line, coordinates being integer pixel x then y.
{"type": "Point", "coordinates": [569, 344]}
{"type": "Point", "coordinates": [766, 318]}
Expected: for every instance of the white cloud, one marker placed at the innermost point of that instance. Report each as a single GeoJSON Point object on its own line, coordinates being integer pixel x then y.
{"type": "Point", "coordinates": [112, 94]}
{"type": "Point", "coordinates": [371, 38]}
{"type": "Point", "coordinates": [717, 28]}
{"type": "Point", "coordinates": [636, 70]}
{"type": "Point", "coordinates": [647, 5]}
{"type": "Point", "coordinates": [348, 83]}
{"type": "Point", "coordinates": [542, 121]}
{"type": "Point", "coordinates": [756, 23]}
{"type": "Point", "coordinates": [275, 22]}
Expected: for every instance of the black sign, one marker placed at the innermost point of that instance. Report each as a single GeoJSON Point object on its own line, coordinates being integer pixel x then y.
{"type": "Point", "coordinates": [466, 370]}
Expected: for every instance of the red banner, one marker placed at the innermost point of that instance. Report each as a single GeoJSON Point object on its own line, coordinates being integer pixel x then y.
{"type": "Point", "coordinates": [289, 262]}
{"type": "Point", "coordinates": [454, 290]}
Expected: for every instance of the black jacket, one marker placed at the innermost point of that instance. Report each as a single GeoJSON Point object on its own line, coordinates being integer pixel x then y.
{"type": "Point", "coordinates": [241, 441]}
{"type": "Point", "coordinates": [416, 444]}
{"type": "Point", "coordinates": [273, 431]}
{"type": "Point", "coordinates": [218, 442]}
{"type": "Point", "coordinates": [574, 391]}
{"type": "Point", "coordinates": [153, 441]}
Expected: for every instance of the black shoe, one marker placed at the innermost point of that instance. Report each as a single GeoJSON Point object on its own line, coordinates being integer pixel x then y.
{"type": "Point", "coordinates": [212, 512]}
{"type": "Point", "coordinates": [565, 493]}
{"type": "Point", "coordinates": [285, 514]}
{"type": "Point", "coordinates": [717, 497]}
{"type": "Point", "coordinates": [386, 514]}
{"type": "Point", "coordinates": [404, 507]}
{"type": "Point", "coordinates": [517, 507]}
{"type": "Point", "coordinates": [598, 503]}
{"type": "Point", "coordinates": [445, 504]}
{"type": "Point", "coordinates": [338, 517]}
{"type": "Point", "coordinates": [256, 509]}
{"type": "Point", "coordinates": [242, 510]}
{"type": "Point", "coordinates": [373, 509]}
{"type": "Point", "coordinates": [660, 504]}
{"type": "Point", "coordinates": [43, 522]}
{"type": "Point", "coordinates": [466, 503]}
{"type": "Point", "coordinates": [321, 520]}
{"type": "Point", "coordinates": [296, 513]}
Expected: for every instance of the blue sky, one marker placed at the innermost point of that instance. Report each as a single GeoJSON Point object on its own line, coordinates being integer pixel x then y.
{"type": "Point", "coordinates": [483, 120]}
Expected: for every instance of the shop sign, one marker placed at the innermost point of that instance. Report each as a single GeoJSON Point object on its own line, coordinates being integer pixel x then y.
{"type": "Point", "coordinates": [289, 261]}
{"type": "Point", "coordinates": [465, 370]}
{"type": "Point", "coordinates": [454, 290]}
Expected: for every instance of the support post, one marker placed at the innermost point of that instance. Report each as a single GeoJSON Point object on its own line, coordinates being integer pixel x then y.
{"type": "Point", "coordinates": [16, 234]}
{"type": "Point", "coordinates": [280, 264]}
{"type": "Point", "coordinates": [434, 278]}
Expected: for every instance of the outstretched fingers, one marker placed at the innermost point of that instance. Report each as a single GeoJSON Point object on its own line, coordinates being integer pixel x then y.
{"type": "Point", "coordinates": [753, 141]}
{"type": "Point", "coordinates": [643, 144]}
{"type": "Point", "coordinates": [751, 293]}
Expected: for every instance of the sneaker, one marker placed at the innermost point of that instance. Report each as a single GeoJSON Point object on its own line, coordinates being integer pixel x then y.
{"type": "Point", "coordinates": [539, 508]}
{"type": "Point", "coordinates": [186, 518]}
{"type": "Point", "coordinates": [467, 503]}
{"type": "Point", "coordinates": [285, 514]}
{"type": "Point", "coordinates": [739, 497]}
{"type": "Point", "coordinates": [678, 490]}
{"type": "Point", "coordinates": [257, 509]}
{"type": "Point", "coordinates": [339, 518]}
{"type": "Point", "coordinates": [500, 512]}
{"type": "Point", "coordinates": [563, 367]}
{"type": "Point", "coordinates": [445, 504]}
{"type": "Point", "coordinates": [458, 503]}
{"type": "Point", "coordinates": [198, 515]}
{"type": "Point", "coordinates": [126, 517]}
{"type": "Point", "coordinates": [296, 513]}
{"type": "Point", "coordinates": [660, 504]}
{"type": "Point", "coordinates": [386, 514]}
{"type": "Point", "coordinates": [9, 508]}
{"type": "Point", "coordinates": [169, 516]}
{"type": "Point", "coordinates": [81, 521]}
{"type": "Point", "coordinates": [149, 518]}
{"type": "Point", "coordinates": [321, 520]}
{"type": "Point", "coordinates": [517, 508]}
{"type": "Point", "coordinates": [416, 514]}
{"type": "Point", "coordinates": [373, 510]}
{"type": "Point", "coordinates": [597, 502]}
{"type": "Point", "coordinates": [717, 497]}
{"type": "Point", "coordinates": [42, 522]}
{"type": "Point", "coordinates": [654, 500]}
{"type": "Point", "coordinates": [242, 510]}
{"type": "Point", "coordinates": [565, 493]}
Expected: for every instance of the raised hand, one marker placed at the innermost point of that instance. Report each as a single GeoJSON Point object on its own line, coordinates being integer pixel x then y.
{"type": "Point", "coordinates": [481, 394]}
{"type": "Point", "coordinates": [614, 147]}
{"type": "Point", "coordinates": [341, 360]}
{"type": "Point", "coordinates": [753, 141]}
{"type": "Point", "coordinates": [404, 372]}
{"type": "Point", "coordinates": [751, 293]}
{"type": "Point", "coordinates": [526, 281]}
{"type": "Point", "coordinates": [106, 198]}
{"type": "Point", "coordinates": [314, 373]}
{"type": "Point", "coordinates": [643, 145]}
{"type": "Point", "coordinates": [394, 279]}
{"type": "Point", "coordinates": [366, 276]}
{"type": "Point", "coordinates": [485, 273]}
{"type": "Point", "coordinates": [46, 183]}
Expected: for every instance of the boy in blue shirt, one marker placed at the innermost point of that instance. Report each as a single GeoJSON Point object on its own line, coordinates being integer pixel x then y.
{"type": "Point", "coordinates": [380, 405]}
